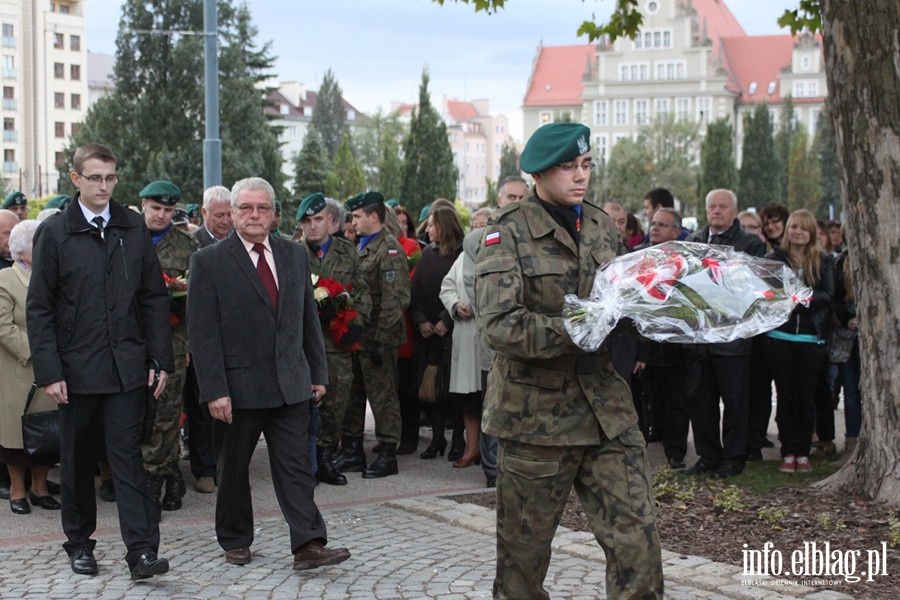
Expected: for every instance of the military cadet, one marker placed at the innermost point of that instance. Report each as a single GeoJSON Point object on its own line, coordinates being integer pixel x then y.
{"type": "Point", "coordinates": [60, 202]}
{"type": "Point", "coordinates": [337, 259]}
{"type": "Point", "coordinates": [17, 203]}
{"type": "Point", "coordinates": [383, 263]}
{"type": "Point", "coordinates": [174, 248]}
{"type": "Point", "coordinates": [193, 212]}
{"type": "Point", "coordinates": [562, 416]}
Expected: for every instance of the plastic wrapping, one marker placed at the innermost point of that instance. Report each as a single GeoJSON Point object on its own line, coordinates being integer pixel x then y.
{"type": "Point", "coordinates": [688, 293]}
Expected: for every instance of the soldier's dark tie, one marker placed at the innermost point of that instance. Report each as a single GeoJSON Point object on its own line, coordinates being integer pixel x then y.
{"type": "Point", "coordinates": [98, 221]}
{"type": "Point", "coordinates": [265, 274]}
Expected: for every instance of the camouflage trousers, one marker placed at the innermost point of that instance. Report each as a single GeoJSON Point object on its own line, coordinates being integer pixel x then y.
{"type": "Point", "coordinates": [164, 449]}
{"type": "Point", "coordinates": [378, 383]}
{"type": "Point", "coordinates": [611, 480]}
{"type": "Point", "coordinates": [337, 394]}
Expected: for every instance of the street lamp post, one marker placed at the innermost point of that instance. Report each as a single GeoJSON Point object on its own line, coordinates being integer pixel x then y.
{"type": "Point", "coordinates": [212, 145]}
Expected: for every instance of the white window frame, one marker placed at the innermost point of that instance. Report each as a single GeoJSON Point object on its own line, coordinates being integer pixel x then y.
{"type": "Point", "coordinates": [661, 106]}
{"type": "Point", "coordinates": [601, 112]}
{"type": "Point", "coordinates": [544, 117]}
{"type": "Point", "coordinates": [620, 112]}
{"type": "Point", "coordinates": [641, 111]}
{"type": "Point", "coordinates": [704, 105]}
{"type": "Point", "coordinates": [682, 113]}
{"type": "Point", "coordinates": [601, 141]}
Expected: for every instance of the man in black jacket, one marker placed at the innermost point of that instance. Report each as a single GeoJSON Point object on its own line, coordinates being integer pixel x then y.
{"type": "Point", "coordinates": [98, 327]}
{"type": "Point", "coordinates": [722, 370]}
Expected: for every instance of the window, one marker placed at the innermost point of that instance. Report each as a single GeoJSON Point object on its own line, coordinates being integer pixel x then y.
{"type": "Point", "coordinates": [75, 101]}
{"type": "Point", "coordinates": [59, 70]}
{"type": "Point", "coordinates": [351, 115]}
{"type": "Point", "coordinates": [602, 143]}
{"type": "Point", "coordinates": [284, 109]}
{"type": "Point", "coordinates": [805, 89]}
{"type": "Point", "coordinates": [634, 71]}
{"type": "Point", "coordinates": [75, 43]}
{"type": "Point", "coordinates": [75, 72]}
{"type": "Point", "coordinates": [704, 110]}
{"type": "Point", "coordinates": [59, 161]}
{"type": "Point", "coordinates": [621, 112]}
{"type": "Point", "coordinates": [59, 129]}
{"type": "Point", "coordinates": [618, 137]}
{"type": "Point", "coordinates": [641, 112]}
{"type": "Point", "coordinates": [9, 38]}
{"type": "Point", "coordinates": [667, 38]}
{"type": "Point", "coordinates": [601, 112]}
{"type": "Point", "coordinates": [670, 69]}
{"type": "Point", "coordinates": [59, 100]}
{"type": "Point", "coordinates": [662, 106]}
{"type": "Point", "coordinates": [545, 117]}
{"type": "Point", "coordinates": [771, 89]}
{"type": "Point", "coordinates": [752, 89]}
{"type": "Point", "coordinates": [64, 9]}
{"type": "Point", "coordinates": [9, 93]}
{"type": "Point", "coordinates": [805, 63]}
{"type": "Point", "coordinates": [9, 130]}
{"type": "Point", "coordinates": [76, 127]}
{"type": "Point", "coordinates": [682, 109]}
{"type": "Point", "coordinates": [8, 30]}
{"type": "Point", "coordinates": [58, 41]}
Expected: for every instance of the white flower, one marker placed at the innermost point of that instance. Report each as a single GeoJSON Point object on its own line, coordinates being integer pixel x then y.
{"type": "Point", "coordinates": [320, 294]}
{"type": "Point", "coordinates": [315, 279]}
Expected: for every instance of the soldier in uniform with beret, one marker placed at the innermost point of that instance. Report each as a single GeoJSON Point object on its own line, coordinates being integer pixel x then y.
{"type": "Point", "coordinates": [17, 203]}
{"type": "Point", "coordinates": [563, 417]}
{"type": "Point", "coordinates": [334, 258]}
{"type": "Point", "coordinates": [383, 263]}
{"type": "Point", "coordinates": [174, 248]}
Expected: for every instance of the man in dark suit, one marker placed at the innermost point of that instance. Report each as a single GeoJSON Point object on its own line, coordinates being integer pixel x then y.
{"type": "Point", "coordinates": [217, 223]}
{"type": "Point", "coordinates": [260, 358]}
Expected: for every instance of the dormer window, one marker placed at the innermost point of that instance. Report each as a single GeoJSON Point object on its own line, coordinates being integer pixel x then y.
{"type": "Point", "coordinates": [285, 109]}
{"type": "Point", "coordinates": [772, 85]}
{"type": "Point", "coordinates": [752, 89]}
{"type": "Point", "coordinates": [805, 63]}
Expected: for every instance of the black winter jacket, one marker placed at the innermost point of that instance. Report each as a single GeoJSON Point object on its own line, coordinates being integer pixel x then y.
{"type": "Point", "coordinates": [97, 306]}
{"type": "Point", "coordinates": [812, 319]}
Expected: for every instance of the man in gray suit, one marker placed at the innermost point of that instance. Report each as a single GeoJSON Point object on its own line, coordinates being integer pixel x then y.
{"type": "Point", "coordinates": [260, 360]}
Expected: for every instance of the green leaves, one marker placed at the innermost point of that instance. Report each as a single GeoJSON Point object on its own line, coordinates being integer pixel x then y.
{"type": "Point", "coordinates": [808, 16]}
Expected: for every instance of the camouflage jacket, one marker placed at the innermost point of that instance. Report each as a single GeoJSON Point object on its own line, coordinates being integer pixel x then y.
{"type": "Point", "coordinates": [341, 263]}
{"type": "Point", "coordinates": [543, 389]}
{"type": "Point", "coordinates": [383, 263]}
{"type": "Point", "coordinates": [174, 251]}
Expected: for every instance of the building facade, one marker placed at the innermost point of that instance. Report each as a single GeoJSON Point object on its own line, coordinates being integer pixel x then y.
{"type": "Point", "coordinates": [692, 59]}
{"type": "Point", "coordinates": [45, 88]}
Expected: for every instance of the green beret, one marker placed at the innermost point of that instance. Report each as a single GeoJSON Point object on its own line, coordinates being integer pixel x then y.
{"type": "Point", "coordinates": [423, 214]}
{"type": "Point", "coordinates": [193, 210]}
{"type": "Point", "coordinates": [311, 205]}
{"type": "Point", "coordinates": [553, 144]}
{"type": "Point", "coordinates": [392, 203]}
{"type": "Point", "coordinates": [363, 200]}
{"type": "Point", "coordinates": [15, 199]}
{"type": "Point", "coordinates": [162, 191]}
{"type": "Point", "coordinates": [61, 202]}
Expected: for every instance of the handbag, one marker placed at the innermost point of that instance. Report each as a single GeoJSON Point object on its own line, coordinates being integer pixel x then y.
{"type": "Point", "coordinates": [428, 387]}
{"type": "Point", "coordinates": [40, 430]}
{"type": "Point", "coordinates": [840, 344]}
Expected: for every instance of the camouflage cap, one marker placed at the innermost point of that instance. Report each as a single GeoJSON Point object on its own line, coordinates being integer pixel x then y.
{"type": "Point", "coordinates": [363, 200]}
{"type": "Point", "coordinates": [162, 191]}
{"type": "Point", "coordinates": [61, 202]}
{"type": "Point", "coordinates": [15, 199]}
{"type": "Point", "coordinates": [553, 144]}
{"type": "Point", "coordinates": [311, 205]}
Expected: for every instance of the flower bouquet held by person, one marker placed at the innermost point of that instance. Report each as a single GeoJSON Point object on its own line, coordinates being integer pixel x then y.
{"type": "Point", "coordinates": [178, 290]}
{"type": "Point", "coordinates": [336, 313]}
{"type": "Point", "coordinates": [686, 292]}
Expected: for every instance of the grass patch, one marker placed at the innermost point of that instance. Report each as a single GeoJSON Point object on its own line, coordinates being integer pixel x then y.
{"type": "Point", "coordinates": [764, 476]}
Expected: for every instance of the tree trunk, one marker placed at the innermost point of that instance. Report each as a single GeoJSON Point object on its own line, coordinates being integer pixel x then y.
{"type": "Point", "coordinates": [861, 56]}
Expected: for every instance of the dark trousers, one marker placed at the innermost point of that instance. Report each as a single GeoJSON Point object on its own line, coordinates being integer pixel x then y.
{"type": "Point", "coordinates": [760, 395]}
{"type": "Point", "coordinates": [725, 377]}
{"type": "Point", "coordinates": [200, 428]}
{"type": "Point", "coordinates": [823, 404]}
{"type": "Point", "coordinates": [796, 367]}
{"type": "Point", "coordinates": [82, 421]}
{"type": "Point", "coordinates": [408, 392]}
{"type": "Point", "coordinates": [667, 389]}
{"type": "Point", "coordinates": [284, 428]}
{"type": "Point", "coordinates": [487, 443]}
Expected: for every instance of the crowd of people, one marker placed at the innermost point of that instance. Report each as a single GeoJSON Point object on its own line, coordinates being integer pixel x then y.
{"type": "Point", "coordinates": [205, 326]}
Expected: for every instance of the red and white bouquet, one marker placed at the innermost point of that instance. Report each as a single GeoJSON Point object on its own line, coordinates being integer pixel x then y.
{"type": "Point", "coordinates": [686, 292]}
{"type": "Point", "coordinates": [336, 313]}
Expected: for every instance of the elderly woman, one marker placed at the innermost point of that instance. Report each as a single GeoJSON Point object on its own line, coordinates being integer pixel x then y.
{"type": "Point", "coordinates": [16, 377]}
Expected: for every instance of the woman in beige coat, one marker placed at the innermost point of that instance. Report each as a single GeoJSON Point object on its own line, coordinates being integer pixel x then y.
{"type": "Point", "coordinates": [16, 377]}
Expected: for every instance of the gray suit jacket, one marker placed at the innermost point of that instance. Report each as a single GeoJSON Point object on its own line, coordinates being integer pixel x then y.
{"type": "Point", "coordinates": [241, 347]}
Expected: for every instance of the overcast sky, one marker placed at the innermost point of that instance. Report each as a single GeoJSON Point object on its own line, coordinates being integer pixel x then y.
{"type": "Point", "coordinates": [378, 48]}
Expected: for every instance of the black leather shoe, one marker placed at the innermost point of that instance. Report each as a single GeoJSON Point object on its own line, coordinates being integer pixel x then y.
{"type": "Point", "coordinates": [729, 469]}
{"type": "Point", "coordinates": [384, 465]}
{"type": "Point", "coordinates": [107, 490]}
{"type": "Point", "coordinates": [20, 506]}
{"type": "Point", "coordinates": [702, 466]}
{"type": "Point", "coordinates": [83, 563]}
{"type": "Point", "coordinates": [53, 488]}
{"type": "Point", "coordinates": [455, 453]}
{"type": "Point", "coordinates": [434, 449]}
{"type": "Point", "coordinates": [754, 455]}
{"type": "Point", "coordinates": [325, 472]}
{"type": "Point", "coordinates": [491, 482]}
{"type": "Point", "coordinates": [352, 458]}
{"type": "Point", "coordinates": [45, 502]}
{"type": "Point", "coordinates": [4, 490]}
{"type": "Point", "coordinates": [175, 490]}
{"type": "Point", "coordinates": [149, 565]}
{"type": "Point", "coordinates": [676, 464]}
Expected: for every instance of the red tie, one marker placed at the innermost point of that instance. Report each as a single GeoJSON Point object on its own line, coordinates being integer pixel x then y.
{"type": "Point", "coordinates": [265, 274]}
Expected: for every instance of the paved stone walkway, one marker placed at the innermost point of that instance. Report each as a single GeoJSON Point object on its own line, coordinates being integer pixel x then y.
{"type": "Point", "coordinates": [419, 548]}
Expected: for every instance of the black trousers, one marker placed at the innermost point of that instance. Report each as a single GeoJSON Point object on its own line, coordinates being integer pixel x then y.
{"type": "Point", "coordinates": [285, 430]}
{"type": "Point", "coordinates": [760, 395]}
{"type": "Point", "coordinates": [796, 367]}
{"type": "Point", "coordinates": [82, 421]}
{"type": "Point", "coordinates": [725, 377]}
{"type": "Point", "coordinates": [200, 428]}
{"type": "Point", "coordinates": [667, 388]}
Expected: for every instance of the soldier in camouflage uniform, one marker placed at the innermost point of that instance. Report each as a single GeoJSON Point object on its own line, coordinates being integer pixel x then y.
{"type": "Point", "coordinates": [563, 417]}
{"type": "Point", "coordinates": [383, 264]}
{"type": "Point", "coordinates": [174, 248]}
{"type": "Point", "coordinates": [336, 259]}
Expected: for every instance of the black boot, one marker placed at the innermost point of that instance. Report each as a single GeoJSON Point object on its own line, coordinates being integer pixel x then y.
{"type": "Point", "coordinates": [154, 489]}
{"type": "Point", "coordinates": [175, 490]}
{"type": "Point", "coordinates": [384, 465]}
{"type": "Point", "coordinates": [326, 472]}
{"type": "Point", "coordinates": [352, 458]}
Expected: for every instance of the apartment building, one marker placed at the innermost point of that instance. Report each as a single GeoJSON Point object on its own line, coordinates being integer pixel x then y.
{"type": "Point", "coordinates": [45, 88]}
{"type": "Point", "coordinates": [692, 58]}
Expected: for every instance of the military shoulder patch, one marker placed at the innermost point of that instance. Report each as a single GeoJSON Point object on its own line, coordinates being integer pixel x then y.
{"type": "Point", "coordinates": [390, 276]}
{"type": "Point", "coordinates": [392, 252]}
{"type": "Point", "coordinates": [492, 238]}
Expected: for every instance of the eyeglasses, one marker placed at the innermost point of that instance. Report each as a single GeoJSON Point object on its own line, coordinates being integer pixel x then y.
{"type": "Point", "coordinates": [751, 227]}
{"type": "Point", "coordinates": [98, 179]}
{"type": "Point", "coordinates": [247, 209]}
{"type": "Point", "coordinates": [661, 224]}
{"type": "Point", "coordinates": [569, 167]}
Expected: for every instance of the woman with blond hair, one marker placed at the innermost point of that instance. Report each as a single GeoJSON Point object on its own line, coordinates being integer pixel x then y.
{"type": "Point", "coordinates": [796, 349]}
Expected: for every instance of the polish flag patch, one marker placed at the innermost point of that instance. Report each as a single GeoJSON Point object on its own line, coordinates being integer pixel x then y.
{"type": "Point", "coordinates": [492, 238]}
{"type": "Point", "coordinates": [392, 252]}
